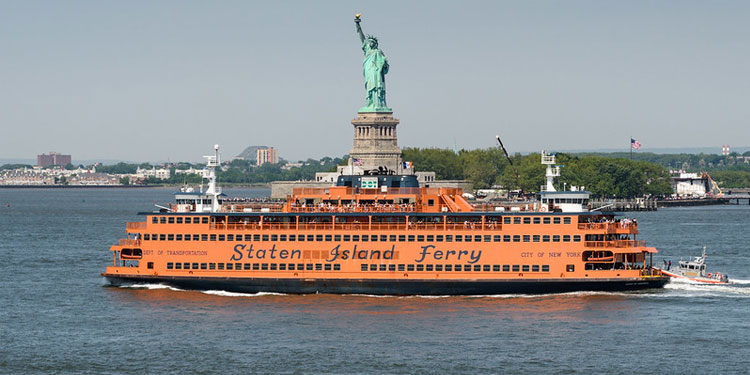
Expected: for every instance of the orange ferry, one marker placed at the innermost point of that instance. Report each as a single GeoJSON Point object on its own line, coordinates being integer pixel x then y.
{"type": "Point", "coordinates": [383, 234]}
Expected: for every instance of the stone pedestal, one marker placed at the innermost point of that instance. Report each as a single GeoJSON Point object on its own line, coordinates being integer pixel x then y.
{"type": "Point", "coordinates": [376, 141]}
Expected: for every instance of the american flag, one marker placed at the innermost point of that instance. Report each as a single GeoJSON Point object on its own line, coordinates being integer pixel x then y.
{"type": "Point", "coordinates": [635, 144]}
{"type": "Point", "coordinates": [357, 162]}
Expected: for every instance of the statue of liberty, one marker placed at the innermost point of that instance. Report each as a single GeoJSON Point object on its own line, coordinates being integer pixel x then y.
{"type": "Point", "coordinates": [374, 68]}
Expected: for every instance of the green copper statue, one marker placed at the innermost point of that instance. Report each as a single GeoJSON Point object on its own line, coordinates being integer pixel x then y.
{"type": "Point", "coordinates": [374, 68]}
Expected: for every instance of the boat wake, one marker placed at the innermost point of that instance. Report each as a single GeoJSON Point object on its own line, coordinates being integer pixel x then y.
{"type": "Point", "coordinates": [689, 288]}
{"type": "Point", "coordinates": [150, 287]}
{"type": "Point", "coordinates": [224, 293]}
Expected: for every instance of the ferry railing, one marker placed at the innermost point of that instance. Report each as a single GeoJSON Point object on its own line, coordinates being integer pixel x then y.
{"type": "Point", "coordinates": [252, 208]}
{"type": "Point", "coordinates": [651, 272]}
{"type": "Point", "coordinates": [315, 226]}
{"type": "Point", "coordinates": [360, 208]}
{"type": "Point", "coordinates": [614, 244]}
{"type": "Point", "coordinates": [608, 226]}
{"type": "Point", "coordinates": [136, 225]}
{"type": "Point", "coordinates": [129, 242]}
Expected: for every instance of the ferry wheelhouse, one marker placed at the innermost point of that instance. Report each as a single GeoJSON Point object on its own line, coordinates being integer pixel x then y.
{"type": "Point", "coordinates": [383, 234]}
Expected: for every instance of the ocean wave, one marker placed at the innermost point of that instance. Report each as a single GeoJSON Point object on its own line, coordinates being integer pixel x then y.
{"type": "Point", "coordinates": [224, 293]}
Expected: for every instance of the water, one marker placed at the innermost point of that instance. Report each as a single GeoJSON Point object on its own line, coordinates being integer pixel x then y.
{"type": "Point", "coordinates": [58, 317]}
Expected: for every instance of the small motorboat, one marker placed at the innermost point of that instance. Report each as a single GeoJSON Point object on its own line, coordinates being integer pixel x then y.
{"type": "Point", "coordinates": [695, 270]}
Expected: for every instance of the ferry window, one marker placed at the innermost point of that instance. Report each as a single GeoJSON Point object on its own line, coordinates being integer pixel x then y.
{"type": "Point", "coordinates": [150, 265]}
{"type": "Point", "coordinates": [256, 237]}
{"type": "Point", "coordinates": [373, 267]}
{"type": "Point", "coordinates": [256, 266]}
{"type": "Point", "coordinates": [566, 220]}
{"type": "Point", "coordinates": [506, 220]}
{"type": "Point", "coordinates": [162, 220]}
{"type": "Point", "coordinates": [347, 237]}
{"type": "Point", "coordinates": [401, 267]}
{"type": "Point", "coordinates": [186, 265]}
{"type": "Point", "coordinates": [229, 266]}
{"type": "Point", "coordinates": [556, 220]}
{"type": "Point", "coordinates": [319, 237]}
{"type": "Point", "coordinates": [516, 220]}
{"type": "Point", "coordinates": [222, 237]}
{"type": "Point", "coordinates": [292, 237]}
{"type": "Point", "coordinates": [188, 220]}
{"type": "Point", "coordinates": [467, 238]}
{"type": "Point", "coordinates": [439, 267]}
{"type": "Point", "coordinates": [363, 267]}
{"type": "Point", "coordinates": [383, 267]}
{"type": "Point", "coordinates": [337, 267]}
{"type": "Point", "coordinates": [383, 238]}
{"type": "Point", "coordinates": [310, 237]}
{"type": "Point", "coordinates": [274, 237]}
{"type": "Point", "coordinates": [420, 238]}
{"type": "Point", "coordinates": [420, 267]}
{"type": "Point", "coordinates": [308, 267]}
{"type": "Point", "coordinates": [545, 238]}
{"type": "Point", "coordinates": [459, 238]}
{"type": "Point", "coordinates": [146, 237]}
{"type": "Point", "coordinates": [410, 267]}
{"type": "Point", "coordinates": [230, 237]}
{"type": "Point", "coordinates": [195, 237]}
{"type": "Point", "coordinates": [428, 267]}
{"type": "Point", "coordinates": [392, 238]}
{"type": "Point", "coordinates": [291, 266]}
{"type": "Point", "coordinates": [497, 238]}
{"type": "Point", "coordinates": [282, 267]}
{"type": "Point", "coordinates": [355, 238]}
{"type": "Point", "coordinates": [570, 268]}
{"type": "Point", "coordinates": [264, 267]}
{"type": "Point", "coordinates": [458, 268]}
{"type": "Point", "coordinates": [204, 266]}
{"type": "Point", "coordinates": [527, 220]}
{"type": "Point", "coordinates": [545, 268]}
{"type": "Point", "coordinates": [537, 220]}
{"type": "Point", "coordinates": [204, 220]}
{"type": "Point", "coordinates": [329, 237]}
{"type": "Point", "coordinates": [273, 266]}
{"type": "Point", "coordinates": [526, 238]}
{"type": "Point", "coordinates": [162, 237]}
{"type": "Point", "coordinates": [488, 238]}
{"type": "Point", "coordinates": [365, 238]}
{"type": "Point", "coordinates": [212, 237]}
{"type": "Point", "coordinates": [516, 238]}
{"type": "Point", "coordinates": [535, 268]}
{"type": "Point", "coordinates": [495, 268]}
{"type": "Point", "coordinates": [170, 237]}
{"type": "Point", "coordinates": [577, 238]}
{"type": "Point", "coordinates": [282, 237]}
{"type": "Point", "coordinates": [327, 267]}
{"type": "Point", "coordinates": [221, 266]}
{"type": "Point", "coordinates": [448, 238]}
{"type": "Point", "coordinates": [546, 220]}
{"type": "Point", "coordinates": [566, 238]}
{"type": "Point", "coordinates": [265, 237]}
{"type": "Point", "coordinates": [337, 238]}
{"type": "Point", "coordinates": [178, 266]}
{"type": "Point", "coordinates": [506, 238]}
{"type": "Point", "coordinates": [506, 268]}
{"type": "Point", "coordinates": [556, 238]}
{"type": "Point", "coordinates": [449, 267]}
{"type": "Point", "coordinates": [411, 238]}
{"type": "Point", "coordinates": [154, 220]}
{"type": "Point", "coordinates": [525, 268]}
{"type": "Point", "coordinates": [246, 266]}
{"type": "Point", "coordinates": [179, 220]}
{"type": "Point", "coordinates": [485, 268]}
{"type": "Point", "coordinates": [170, 265]}
{"type": "Point", "coordinates": [516, 268]}
{"type": "Point", "coordinates": [374, 238]}
{"type": "Point", "coordinates": [178, 237]}
{"type": "Point", "coordinates": [430, 202]}
{"type": "Point", "coordinates": [478, 238]}
{"type": "Point", "coordinates": [477, 267]}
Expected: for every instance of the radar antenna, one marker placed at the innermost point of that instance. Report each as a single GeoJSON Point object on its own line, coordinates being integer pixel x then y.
{"type": "Point", "coordinates": [515, 171]}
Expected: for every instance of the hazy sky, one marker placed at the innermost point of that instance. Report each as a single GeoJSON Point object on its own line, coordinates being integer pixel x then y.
{"type": "Point", "coordinates": [158, 80]}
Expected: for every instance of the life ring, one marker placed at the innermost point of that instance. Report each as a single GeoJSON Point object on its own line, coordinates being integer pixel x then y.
{"type": "Point", "coordinates": [709, 275]}
{"type": "Point", "coordinates": [543, 209]}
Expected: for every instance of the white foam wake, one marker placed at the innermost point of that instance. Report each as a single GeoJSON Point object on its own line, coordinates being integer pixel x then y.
{"type": "Point", "coordinates": [150, 286]}
{"type": "Point", "coordinates": [224, 293]}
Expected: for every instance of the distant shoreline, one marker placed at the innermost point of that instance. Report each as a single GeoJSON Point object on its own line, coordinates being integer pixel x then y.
{"type": "Point", "coordinates": [230, 186]}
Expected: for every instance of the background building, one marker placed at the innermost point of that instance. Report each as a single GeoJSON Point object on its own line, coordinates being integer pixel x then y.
{"type": "Point", "coordinates": [52, 159]}
{"type": "Point", "coordinates": [267, 155]}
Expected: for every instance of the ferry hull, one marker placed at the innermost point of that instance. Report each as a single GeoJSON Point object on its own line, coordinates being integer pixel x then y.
{"type": "Point", "coordinates": [394, 287]}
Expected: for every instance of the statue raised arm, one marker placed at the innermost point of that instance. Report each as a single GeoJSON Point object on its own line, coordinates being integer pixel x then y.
{"type": "Point", "coordinates": [374, 68]}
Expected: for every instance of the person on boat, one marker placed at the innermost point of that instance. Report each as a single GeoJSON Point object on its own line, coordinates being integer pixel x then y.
{"type": "Point", "coordinates": [669, 265]}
